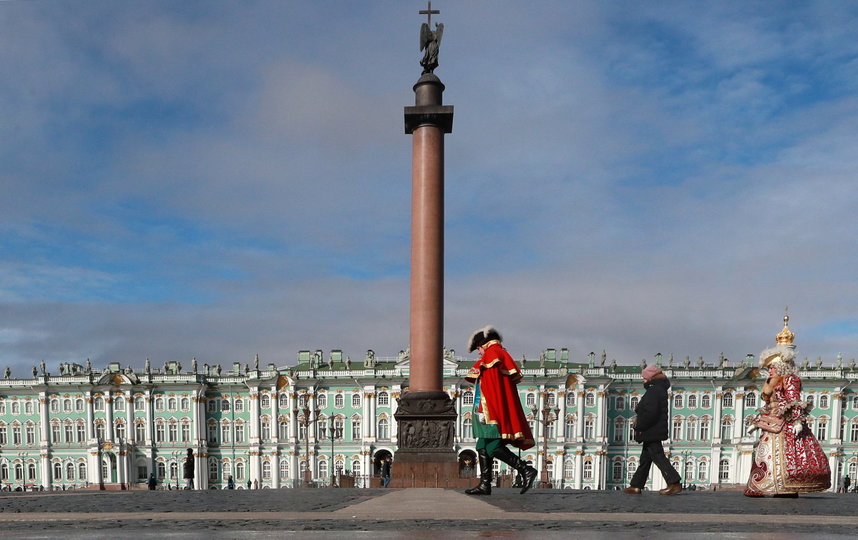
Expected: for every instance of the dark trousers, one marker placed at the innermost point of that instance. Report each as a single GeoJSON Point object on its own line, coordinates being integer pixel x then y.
{"type": "Point", "coordinates": [653, 452]}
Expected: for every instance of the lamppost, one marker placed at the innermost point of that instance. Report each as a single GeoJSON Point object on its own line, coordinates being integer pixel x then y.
{"type": "Point", "coordinates": [175, 455]}
{"type": "Point", "coordinates": [546, 421]}
{"type": "Point", "coordinates": [685, 454]}
{"type": "Point", "coordinates": [307, 422]}
{"type": "Point", "coordinates": [335, 433]}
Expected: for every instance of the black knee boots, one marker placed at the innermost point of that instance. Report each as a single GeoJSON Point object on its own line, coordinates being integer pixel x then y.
{"type": "Point", "coordinates": [485, 485]}
{"type": "Point", "coordinates": [528, 473]}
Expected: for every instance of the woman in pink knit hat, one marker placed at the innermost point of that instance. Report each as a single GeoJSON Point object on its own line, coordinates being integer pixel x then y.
{"type": "Point", "coordinates": [650, 430]}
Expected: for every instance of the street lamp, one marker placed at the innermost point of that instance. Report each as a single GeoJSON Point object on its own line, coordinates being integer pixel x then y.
{"type": "Point", "coordinates": [307, 422]}
{"type": "Point", "coordinates": [175, 455]}
{"type": "Point", "coordinates": [335, 433]}
{"type": "Point", "coordinates": [685, 454]}
{"type": "Point", "coordinates": [546, 421]}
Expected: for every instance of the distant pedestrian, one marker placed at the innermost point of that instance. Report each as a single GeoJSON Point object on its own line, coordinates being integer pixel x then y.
{"type": "Point", "coordinates": [230, 482]}
{"type": "Point", "coordinates": [189, 469]}
{"type": "Point", "coordinates": [255, 484]}
{"type": "Point", "coordinates": [385, 472]}
{"type": "Point", "coordinates": [650, 429]}
{"type": "Point", "coordinates": [846, 482]}
{"type": "Point", "coordinates": [249, 483]}
{"type": "Point", "coordinates": [152, 482]}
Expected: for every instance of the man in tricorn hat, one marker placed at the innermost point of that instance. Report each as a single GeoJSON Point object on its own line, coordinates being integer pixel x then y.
{"type": "Point", "coordinates": [498, 418]}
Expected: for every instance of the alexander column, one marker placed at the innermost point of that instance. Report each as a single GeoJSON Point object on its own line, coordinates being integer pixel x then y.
{"type": "Point", "coordinates": [426, 416]}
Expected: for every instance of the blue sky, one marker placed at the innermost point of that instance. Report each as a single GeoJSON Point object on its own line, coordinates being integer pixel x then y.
{"type": "Point", "coordinates": [221, 179]}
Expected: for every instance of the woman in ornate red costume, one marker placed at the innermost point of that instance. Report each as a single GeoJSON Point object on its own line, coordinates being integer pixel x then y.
{"type": "Point", "coordinates": [788, 459]}
{"type": "Point", "coordinates": [498, 418]}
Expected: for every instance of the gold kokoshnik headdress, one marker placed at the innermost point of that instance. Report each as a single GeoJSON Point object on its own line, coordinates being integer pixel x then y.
{"type": "Point", "coordinates": [784, 351]}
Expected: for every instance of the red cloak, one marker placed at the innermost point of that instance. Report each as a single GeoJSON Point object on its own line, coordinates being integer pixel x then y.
{"type": "Point", "coordinates": [497, 374]}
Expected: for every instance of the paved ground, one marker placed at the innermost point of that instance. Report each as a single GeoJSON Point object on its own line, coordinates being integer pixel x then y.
{"type": "Point", "coordinates": [422, 513]}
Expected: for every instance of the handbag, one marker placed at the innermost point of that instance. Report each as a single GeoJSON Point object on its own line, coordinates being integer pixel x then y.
{"type": "Point", "coordinates": [768, 422]}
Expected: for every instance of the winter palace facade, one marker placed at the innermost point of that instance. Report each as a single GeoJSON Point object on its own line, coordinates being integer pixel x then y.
{"type": "Point", "coordinates": [113, 427]}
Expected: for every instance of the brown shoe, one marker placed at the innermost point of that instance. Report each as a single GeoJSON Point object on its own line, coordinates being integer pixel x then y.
{"type": "Point", "coordinates": [632, 490]}
{"type": "Point", "coordinates": [671, 489]}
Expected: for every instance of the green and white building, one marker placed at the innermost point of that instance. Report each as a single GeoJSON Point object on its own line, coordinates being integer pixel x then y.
{"type": "Point", "coordinates": [113, 427]}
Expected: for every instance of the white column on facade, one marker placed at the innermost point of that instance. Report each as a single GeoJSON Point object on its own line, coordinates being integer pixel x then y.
{"type": "Point", "coordinates": [44, 430]}
{"type": "Point", "coordinates": [601, 408]}
{"type": "Point", "coordinates": [130, 433]}
{"type": "Point", "coordinates": [293, 422]}
{"type": "Point", "coordinates": [394, 403]}
{"type": "Point", "coordinates": [579, 469]}
{"type": "Point", "coordinates": [253, 436]}
{"type": "Point", "coordinates": [275, 413]}
{"type": "Point", "coordinates": [560, 427]}
{"type": "Point", "coordinates": [90, 420]}
{"type": "Point", "coordinates": [579, 425]}
{"type": "Point", "coordinates": [739, 407]}
{"type": "Point", "coordinates": [199, 418]}
{"type": "Point", "coordinates": [150, 421]}
{"type": "Point", "coordinates": [836, 419]}
{"type": "Point", "coordinates": [835, 477]}
{"type": "Point", "coordinates": [108, 416]}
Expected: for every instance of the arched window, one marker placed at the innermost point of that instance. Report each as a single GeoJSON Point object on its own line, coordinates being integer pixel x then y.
{"type": "Point", "coordinates": [724, 470]}
{"type": "Point", "coordinates": [356, 400]}
{"type": "Point", "coordinates": [186, 430]}
{"type": "Point", "coordinates": [239, 470]}
{"type": "Point", "coordinates": [99, 430]}
{"type": "Point", "coordinates": [356, 428]}
{"type": "Point", "coordinates": [119, 403]}
{"type": "Point", "coordinates": [55, 406]}
{"type": "Point", "coordinates": [691, 429]}
{"type": "Point", "coordinates": [823, 401]}
{"type": "Point", "coordinates": [621, 403]}
{"type": "Point", "coordinates": [530, 400]}
{"type": "Point", "coordinates": [120, 429]}
{"type": "Point", "coordinates": [321, 401]}
{"type": "Point", "coordinates": [619, 429]}
{"type": "Point", "coordinates": [706, 401]}
{"type": "Point", "coordinates": [58, 471]}
{"type": "Point", "coordinates": [750, 400]}
{"type": "Point", "coordinates": [617, 471]}
{"type": "Point", "coordinates": [467, 428]}
{"type": "Point", "coordinates": [284, 469]}
{"type": "Point", "coordinates": [704, 429]}
{"type": "Point", "coordinates": [323, 469]}
{"type": "Point", "coordinates": [159, 403]}
{"type": "Point", "coordinates": [853, 432]}
{"type": "Point", "coordinates": [139, 431]}
{"type": "Point", "coordinates": [727, 428]}
{"type": "Point", "coordinates": [570, 398]}
{"type": "Point", "coordinates": [283, 429]}
{"type": "Point", "coordinates": [383, 429]}
{"type": "Point", "coordinates": [266, 470]}
{"type": "Point", "coordinates": [589, 428]}
{"type": "Point", "coordinates": [69, 471]}
{"type": "Point", "coordinates": [677, 401]}
{"type": "Point", "coordinates": [99, 403]}
{"type": "Point", "coordinates": [212, 468]}
{"type": "Point", "coordinates": [283, 400]}
{"type": "Point", "coordinates": [677, 429]}
{"type": "Point", "coordinates": [468, 398]}
{"type": "Point", "coordinates": [689, 470]}
{"type": "Point", "coordinates": [339, 401]}
{"type": "Point", "coordinates": [185, 403]}
{"type": "Point", "coordinates": [265, 401]}
{"type": "Point", "coordinates": [224, 405]}
{"type": "Point", "coordinates": [78, 404]}
{"type": "Point", "coordinates": [810, 400]}
{"type": "Point", "coordinates": [225, 432]}
{"type": "Point", "coordinates": [569, 429]}
{"type": "Point", "coordinates": [31, 472]}
{"type": "Point", "coordinates": [727, 400]}
{"type": "Point", "coordinates": [692, 401]}
{"type": "Point", "coordinates": [633, 403]}
{"type": "Point", "coordinates": [702, 468]}
{"type": "Point", "coordinates": [569, 471]}
{"type": "Point", "coordinates": [552, 399]}
{"type": "Point", "coordinates": [590, 400]}
{"type": "Point", "coordinates": [159, 431]}
{"type": "Point", "coordinates": [161, 469]}
{"type": "Point", "coordinates": [238, 404]}
{"type": "Point", "coordinates": [139, 403]}
{"type": "Point", "coordinates": [383, 399]}
{"type": "Point", "coordinates": [588, 469]}
{"type": "Point", "coordinates": [822, 428]}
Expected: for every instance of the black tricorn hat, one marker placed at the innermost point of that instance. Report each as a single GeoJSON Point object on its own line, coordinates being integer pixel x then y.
{"type": "Point", "coordinates": [483, 336]}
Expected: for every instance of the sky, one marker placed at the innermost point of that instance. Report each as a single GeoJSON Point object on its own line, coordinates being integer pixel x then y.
{"type": "Point", "coordinates": [220, 179]}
